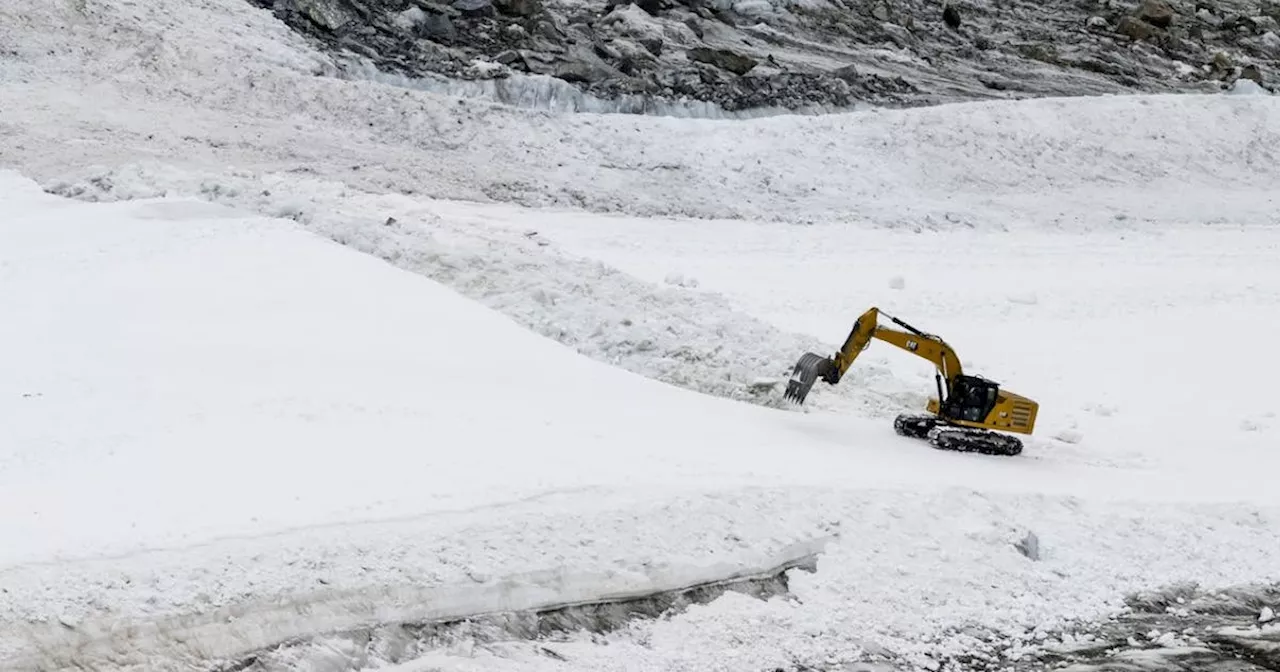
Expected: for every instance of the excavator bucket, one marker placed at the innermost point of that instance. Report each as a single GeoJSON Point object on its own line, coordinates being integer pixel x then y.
{"type": "Point", "coordinates": [805, 374]}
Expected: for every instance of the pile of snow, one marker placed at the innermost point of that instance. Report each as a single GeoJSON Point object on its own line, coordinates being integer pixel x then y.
{"type": "Point", "coordinates": [691, 339]}
{"type": "Point", "coordinates": [1247, 87]}
{"type": "Point", "coordinates": [1098, 333]}
{"type": "Point", "coordinates": [219, 82]}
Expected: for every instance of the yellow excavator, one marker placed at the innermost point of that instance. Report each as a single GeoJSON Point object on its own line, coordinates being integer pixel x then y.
{"type": "Point", "coordinates": [970, 412]}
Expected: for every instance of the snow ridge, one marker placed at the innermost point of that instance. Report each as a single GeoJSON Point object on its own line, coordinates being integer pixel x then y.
{"type": "Point", "coordinates": [881, 556]}
{"type": "Point", "coordinates": [687, 338]}
{"type": "Point", "coordinates": [218, 99]}
{"type": "Point", "coordinates": [227, 633]}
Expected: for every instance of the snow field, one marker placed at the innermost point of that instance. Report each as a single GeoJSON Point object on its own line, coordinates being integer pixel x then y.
{"type": "Point", "coordinates": [203, 338]}
{"type": "Point", "coordinates": [1127, 338]}
{"type": "Point", "coordinates": [171, 86]}
{"type": "Point", "coordinates": [294, 438]}
{"type": "Point", "coordinates": [229, 432]}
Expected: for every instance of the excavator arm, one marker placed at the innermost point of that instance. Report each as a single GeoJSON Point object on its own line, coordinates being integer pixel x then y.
{"type": "Point", "coordinates": [811, 367]}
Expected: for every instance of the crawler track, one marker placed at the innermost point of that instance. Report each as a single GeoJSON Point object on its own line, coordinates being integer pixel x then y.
{"type": "Point", "coordinates": [960, 439]}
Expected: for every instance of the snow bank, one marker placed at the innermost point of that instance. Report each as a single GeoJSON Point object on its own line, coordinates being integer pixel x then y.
{"type": "Point", "coordinates": [1104, 400]}
{"type": "Point", "coordinates": [185, 343]}
{"type": "Point", "coordinates": [240, 91]}
{"type": "Point", "coordinates": [691, 339]}
{"type": "Point", "coordinates": [1247, 87]}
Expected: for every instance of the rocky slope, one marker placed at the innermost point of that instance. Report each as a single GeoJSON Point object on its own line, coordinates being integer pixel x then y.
{"type": "Point", "coordinates": [795, 54]}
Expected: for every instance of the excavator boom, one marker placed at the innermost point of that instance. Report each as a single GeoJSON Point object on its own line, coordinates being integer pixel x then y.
{"type": "Point", "coordinates": [865, 328]}
{"type": "Point", "coordinates": [967, 407]}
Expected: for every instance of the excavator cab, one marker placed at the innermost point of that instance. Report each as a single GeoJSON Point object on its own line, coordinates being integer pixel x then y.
{"type": "Point", "coordinates": [972, 399]}
{"type": "Point", "coordinates": [979, 403]}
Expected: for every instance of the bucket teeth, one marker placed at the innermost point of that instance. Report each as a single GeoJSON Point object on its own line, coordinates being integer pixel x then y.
{"type": "Point", "coordinates": [805, 374]}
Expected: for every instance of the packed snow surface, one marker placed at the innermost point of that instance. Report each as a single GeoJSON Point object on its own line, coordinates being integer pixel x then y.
{"type": "Point", "coordinates": [278, 388]}
{"type": "Point", "coordinates": [221, 412]}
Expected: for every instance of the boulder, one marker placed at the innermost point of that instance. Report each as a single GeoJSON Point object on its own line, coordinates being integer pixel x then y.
{"type": "Point", "coordinates": [900, 36]}
{"type": "Point", "coordinates": [848, 73]}
{"type": "Point", "coordinates": [582, 66]}
{"type": "Point", "coordinates": [724, 59]}
{"type": "Point", "coordinates": [508, 57]}
{"type": "Point", "coordinates": [327, 14]}
{"type": "Point", "coordinates": [1271, 44]}
{"type": "Point", "coordinates": [575, 72]}
{"type": "Point", "coordinates": [522, 8]}
{"type": "Point", "coordinates": [473, 8]}
{"type": "Point", "coordinates": [632, 57]}
{"type": "Point", "coordinates": [537, 63]}
{"type": "Point", "coordinates": [436, 27]}
{"type": "Point", "coordinates": [951, 16]}
{"type": "Point", "coordinates": [1037, 51]}
{"type": "Point", "coordinates": [695, 26]}
{"type": "Point", "coordinates": [1135, 29]}
{"type": "Point", "coordinates": [1156, 12]}
{"type": "Point", "coordinates": [604, 50]}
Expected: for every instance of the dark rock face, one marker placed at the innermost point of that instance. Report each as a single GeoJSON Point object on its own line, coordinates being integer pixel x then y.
{"type": "Point", "coordinates": [750, 54]}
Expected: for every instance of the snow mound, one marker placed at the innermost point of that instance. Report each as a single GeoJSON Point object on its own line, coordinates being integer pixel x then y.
{"type": "Point", "coordinates": [204, 330]}
{"type": "Point", "coordinates": [1247, 87]}
{"type": "Point", "coordinates": [694, 340]}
